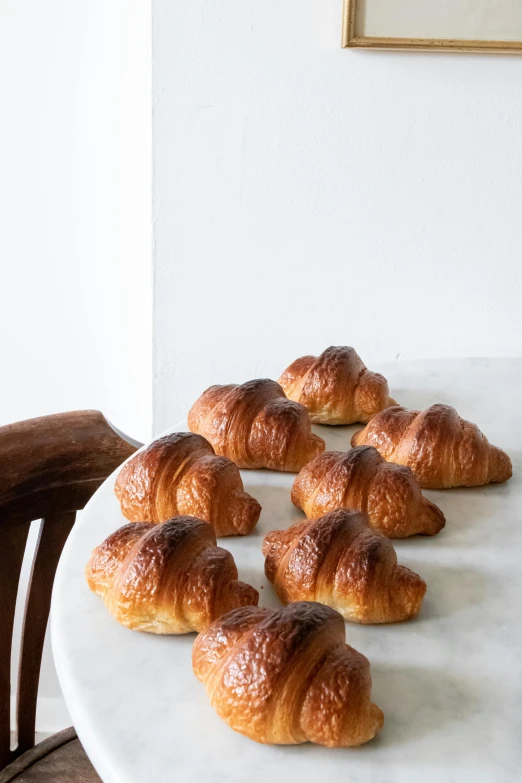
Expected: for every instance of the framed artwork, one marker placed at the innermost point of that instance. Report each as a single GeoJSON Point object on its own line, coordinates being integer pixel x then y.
{"type": "Point", "coordinates": [443, 25]}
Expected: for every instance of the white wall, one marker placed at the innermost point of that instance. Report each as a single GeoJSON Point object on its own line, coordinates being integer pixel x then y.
{"type": "Point", "coordinates": [76, 281]}
{"type": "Point", "coordinates": [307, 195]}
{"type": "Point", "coordinates": [75, 317]}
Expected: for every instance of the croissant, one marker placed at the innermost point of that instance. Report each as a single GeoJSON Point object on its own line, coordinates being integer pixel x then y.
{"type": "Point", "coordinates": [336, 387]}
{"type": "Point", "coordinates": [361, 479]}
{"type": "Point", "coordinates": [286, 677]}
{"type": "Point", "coordinates": [340, 561]}
{"type": "Point", "coordinates": [180, 474]}
{"type": "Point", "coordinates": [442, 449]}
{"type": "Point", "coordinates": [166, 579]}
{"type": "Point", "coordinates": [255, 426]}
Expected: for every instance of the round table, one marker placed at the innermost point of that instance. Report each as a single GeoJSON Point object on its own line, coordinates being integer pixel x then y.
{"type": "Point", "coordinates": [449, 683]}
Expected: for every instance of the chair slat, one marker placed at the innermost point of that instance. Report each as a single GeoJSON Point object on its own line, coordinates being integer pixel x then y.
{"type": "Point", "coordinates": [53, 535]}
{"type": "Point", "coordinates": [12, 544]}
{"type": "Point", "coordinates": [49, 468]}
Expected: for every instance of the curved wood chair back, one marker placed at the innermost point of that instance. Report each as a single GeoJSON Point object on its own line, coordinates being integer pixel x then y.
{"type": "Point", "coordinates": [49, 468]}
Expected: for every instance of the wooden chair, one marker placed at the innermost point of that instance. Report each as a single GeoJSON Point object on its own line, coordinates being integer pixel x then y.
{"type": "Point", "coordinates": [49, 468]}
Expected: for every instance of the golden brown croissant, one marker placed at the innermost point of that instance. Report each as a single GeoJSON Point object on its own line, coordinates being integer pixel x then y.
{"type": "Point", "coordinates": [255, 426]}
{"type": "Point", "coordinates": [361, 479]}
{"type": "Point", "coordinates": [286, 677]}
{"type": "Point", "coordinates": [166, 579]}
{"type": "Point", "coordinates": [442, 449]}
{"type": "Point", "coordinates": [336, 387]}
{"type": "Point", "coordinates": [341, 562]}
{"type": "Point", "coordinates": [181, 474]}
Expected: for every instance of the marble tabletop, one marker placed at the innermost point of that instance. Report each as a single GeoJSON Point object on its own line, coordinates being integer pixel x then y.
{"type": "Point", "coordinates": [449, 683]}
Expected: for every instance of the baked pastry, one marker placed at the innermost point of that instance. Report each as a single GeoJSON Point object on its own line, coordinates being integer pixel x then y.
{"type": "Point", "coordinates": [255, 426]}
{"type": "Point", "coordinates": [336, 387]}
{"type": "Point", "coordinates": [341, 562]}
{"type": "Point", "coordinates": [361, 479]}
{"type": "Point", "coordinates": [442, 449]}
{"type": "Point", "coordinates": [180, 474]}
{"type": "Point", "coordinates": [286, 677]}
{"type": "Point", "coordinates": [166, 579]}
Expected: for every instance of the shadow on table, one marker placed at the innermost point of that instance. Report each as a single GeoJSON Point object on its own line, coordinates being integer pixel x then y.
{"type": "Point", "coordinates": [267, 595]}
{"type": "Point", "coordinates": [451, 589]}
{"type": "Point", "coordinates": [420, 399]}
{"type": "Point", "coordinates": [336, 438]}
{"type": "Point", "coordinates": [470, 512]}
{"type": "Point", "coordinates": [418, 702]}
{"type": "Point", "coordinates": [278, 511]}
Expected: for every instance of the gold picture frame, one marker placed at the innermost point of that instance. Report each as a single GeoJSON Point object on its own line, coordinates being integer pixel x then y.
{"type": "Point", "coordinates": [352, 39]}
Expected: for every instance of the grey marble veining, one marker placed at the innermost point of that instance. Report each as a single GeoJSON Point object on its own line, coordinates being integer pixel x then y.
{"type": "Point", "coordinates": [449, 683]}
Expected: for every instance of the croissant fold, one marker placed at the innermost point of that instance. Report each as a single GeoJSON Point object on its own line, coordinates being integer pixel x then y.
{"type": "Point", "coordinates": [361, 479]}
{"type": "Point", "coordinates": [336, 387]}
{"type": "Point", "coordinates": [256, 426]}
{"type": "Point", "coordinates": [340, 561]}
{"type": "Point", "coordinates": [166, 579]}
{"type": "Point", "coordinates": [180, 474]}
{"type": "Point", "coordinates": [442, 449]}
{"type": "Point", "coordinates": [286, 677]}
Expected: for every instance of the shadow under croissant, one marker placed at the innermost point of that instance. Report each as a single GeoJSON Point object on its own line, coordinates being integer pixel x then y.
{"type": "Point", "coordinates": [336, 438]}
{"type": "Point", "coordinates": [420, 399]}
{"type": "Point", "coordinates": [451, 589]}
{"type": "Point", "coordinates": [419, 701]}
{"type": "Point", "coordinates": [470, 513]}
{"type": "Point", "coordinates": [278, 511]}
{"type": "Point", "coordinates": [256, 577]}
{"type": "Point", "coordinates": [416, 703]}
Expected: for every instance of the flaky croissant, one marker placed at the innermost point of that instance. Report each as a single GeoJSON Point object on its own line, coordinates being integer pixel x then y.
{"type": "Point", "coordinates": [286, 677]}
{"type": "Point", "coordinates": [180, 474]}
{"type": "Point", "coordinates": [166, 579]}
{"type": "Point", "coordinates": [442, 449]}
{"type": "Point", "coordinates": [361, 479]}
{"type": "Point", "coordinates": [336, 387]}
{"type": "Point", "coordinates": [340, 561]}
{"type": "Point", "coordinates": [255, 426]}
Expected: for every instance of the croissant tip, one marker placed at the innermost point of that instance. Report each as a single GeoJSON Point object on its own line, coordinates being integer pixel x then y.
{"type": "Point", "coordinates": [319, 445]}
{"type": "Point", "coordinates": [247, 516]}
{"type": "Point", "coordinates": [88, 576]}
{"type": "Point", "coordinates": [268, 541]}
{"type": "Point", "coordinates": [378, 719]}
{"type": "Point", "coordinates": [356, 438]}
{"type": "Point", "coordinates": [296, 501]}
{"type": "Point", "coordinates": [435, 519]}
{"type": "Point", "coordinates": [265, 550]}
{"type": "Point", "coordinates": [502, 466]}
{"type": "Point", "coordinates": [414, 590]}
{"type": "Point", "coordinates": [246, 594]}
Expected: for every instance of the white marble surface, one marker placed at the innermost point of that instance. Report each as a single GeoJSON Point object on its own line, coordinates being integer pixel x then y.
{"type": "Point", "coordinates": [449, 682]}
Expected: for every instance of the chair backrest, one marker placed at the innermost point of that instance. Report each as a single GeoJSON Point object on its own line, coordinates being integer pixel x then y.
{"type": "Point", "coordinates": [49, 468]}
